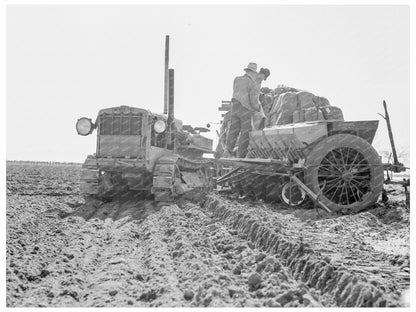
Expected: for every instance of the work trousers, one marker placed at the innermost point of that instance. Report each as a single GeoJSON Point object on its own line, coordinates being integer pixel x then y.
{"type": "Point", "coordinates": [240, 124]}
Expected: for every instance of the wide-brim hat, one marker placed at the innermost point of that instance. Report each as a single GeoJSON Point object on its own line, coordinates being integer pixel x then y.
{"type": "Point", "coordinates": [252, 67]}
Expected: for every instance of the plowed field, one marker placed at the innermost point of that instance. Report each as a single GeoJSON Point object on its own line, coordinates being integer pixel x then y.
{"type": "Point", "coordinates": [215, 250]}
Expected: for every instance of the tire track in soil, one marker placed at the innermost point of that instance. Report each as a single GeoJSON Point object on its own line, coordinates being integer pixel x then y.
{"type": "Point", "coordinates": [338, 285]}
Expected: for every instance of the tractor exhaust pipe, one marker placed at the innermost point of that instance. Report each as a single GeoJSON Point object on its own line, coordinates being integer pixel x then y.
{"type": "Point", "coordinates": [171, 111]}
{"type": "Point", "coordinates": [166, 85]}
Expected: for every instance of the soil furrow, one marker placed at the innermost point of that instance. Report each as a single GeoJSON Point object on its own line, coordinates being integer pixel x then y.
{"type": "Point", "coordinates": [211, 251]}
{"type": "Point", "coordinates": [306, 264]}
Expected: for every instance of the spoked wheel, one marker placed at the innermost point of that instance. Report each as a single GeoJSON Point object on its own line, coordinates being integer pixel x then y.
{"type": "Point", "coordinates": [346, 171]}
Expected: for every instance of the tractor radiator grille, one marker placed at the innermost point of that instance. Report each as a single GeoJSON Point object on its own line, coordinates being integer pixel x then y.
{"type": "Point", "coordinates": [120, 124]}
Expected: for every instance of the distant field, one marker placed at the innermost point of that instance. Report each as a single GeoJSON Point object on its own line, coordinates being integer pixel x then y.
{"type": "Point", "coordinates": [30, 162]}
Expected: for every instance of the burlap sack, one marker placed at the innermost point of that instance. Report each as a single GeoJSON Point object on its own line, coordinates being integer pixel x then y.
{"type": "Point", "coordinates": [258, 120]}
{"type": "Point", "coordinates": [283, 89]}
{"type": "Point", "coordinates": [282, 110]}
{"type": "Point", "coordinates": [313, 114]}
{"type": "Point", "coordinates": [305, 99]}
{"type": "Point", "coordinates": [273, 111]}
{"type": "Point", "coordinates": [320, 101]}
{"type": "Point", "coordinates": [299, 115]}
{"type": "Point", "coordinates": [266, 101]}
{"type": "Point", "coordinates": [332, 113]}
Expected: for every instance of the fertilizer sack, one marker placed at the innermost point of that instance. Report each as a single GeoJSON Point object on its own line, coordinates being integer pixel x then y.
{"type": "Point", "coordinates": [313, 114]}
{"type": "Point", "coordinates": [332, 113]}
{"type": "Point", "coordinates": [305, 99]}
{"type": "Point", "coordinates": [282, 110]}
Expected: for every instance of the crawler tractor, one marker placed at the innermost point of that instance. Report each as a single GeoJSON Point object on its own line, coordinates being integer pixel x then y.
{"type": "Point", "coordinates": [138, 150]}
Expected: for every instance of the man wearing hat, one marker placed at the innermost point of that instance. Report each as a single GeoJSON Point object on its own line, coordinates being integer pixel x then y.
{"type": "Point", "coordinates": [245, 102]}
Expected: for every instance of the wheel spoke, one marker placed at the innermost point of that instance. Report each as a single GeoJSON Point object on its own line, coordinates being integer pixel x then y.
{"type": "Point", "coordinates": [334, 185]}
{"type": "Point", "coordinates": [361, 161]}
{"type": "Point", "coordinates": [329, 178]}
{"type": "Point", "coordinates": [352, 191]}
{"type": "Point", "coordinates": [332, 181]}
{"type": "Point", "coordinates": [348, 165]}
{"type": "Point", "coordinates": [361, 184]}
{"type": "Point", "coordinates": [337, 155]}
{"type": "Point", "coordinates": [336, 159]}
{"type": "Point", "coordinates": [344, 158]}
{"type": "Point", "coordinates": [336, 191]}
{"type": "Point", "coordinates": [346, 193]}
{"type": "Point", "coordinates": [334, 165]}
{"type": "Point", "coordinates": [341, 194]}
{"type": "Point", "coordinates": [355, 158]}
{"type": "Point", "coordinates": [330, 171]}
{"type": "Point", "coordinates": [360, 194]}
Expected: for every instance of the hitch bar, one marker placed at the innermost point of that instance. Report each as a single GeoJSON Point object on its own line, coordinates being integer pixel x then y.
{"type": "Point", "coordinates": [309, 192]}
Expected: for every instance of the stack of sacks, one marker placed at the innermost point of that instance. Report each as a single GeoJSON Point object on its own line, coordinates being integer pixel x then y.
{"type": "Point", "coordinates": [292, 105]}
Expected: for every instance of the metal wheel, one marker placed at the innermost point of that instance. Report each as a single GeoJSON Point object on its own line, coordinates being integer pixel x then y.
{"type": "Point", "coordinates": [292, 194]}
{"type": "Point", "coordinates": [346, 171]}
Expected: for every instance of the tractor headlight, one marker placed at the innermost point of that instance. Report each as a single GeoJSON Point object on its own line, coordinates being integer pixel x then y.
{"type": "Point", "coordinates": [159, 126]}
{"type": "Point", "coordinates": [84, 126]}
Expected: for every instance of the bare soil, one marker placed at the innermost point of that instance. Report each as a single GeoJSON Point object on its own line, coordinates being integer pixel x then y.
{"type": "Point", "coordinates": [209, 250]}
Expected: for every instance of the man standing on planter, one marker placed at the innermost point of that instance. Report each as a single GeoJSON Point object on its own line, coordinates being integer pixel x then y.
{"type": "Point", "coordinates": [245, 102]}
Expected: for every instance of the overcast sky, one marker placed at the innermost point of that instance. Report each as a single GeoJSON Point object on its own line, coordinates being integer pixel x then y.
{"type": "Point", "coordinates": [65, 62]}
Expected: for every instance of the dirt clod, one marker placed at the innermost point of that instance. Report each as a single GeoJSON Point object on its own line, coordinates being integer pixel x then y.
{"type": "Point", "coordinates": [44, 273]}
{"type": "Point", "coordinates": [260, 257]}
{"type": "Point", "coordinates": [254, 281]}
{"type": "Point", "coordinates": [188, 295]}
{"type": "Point", "coordinates": [113, 292]}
